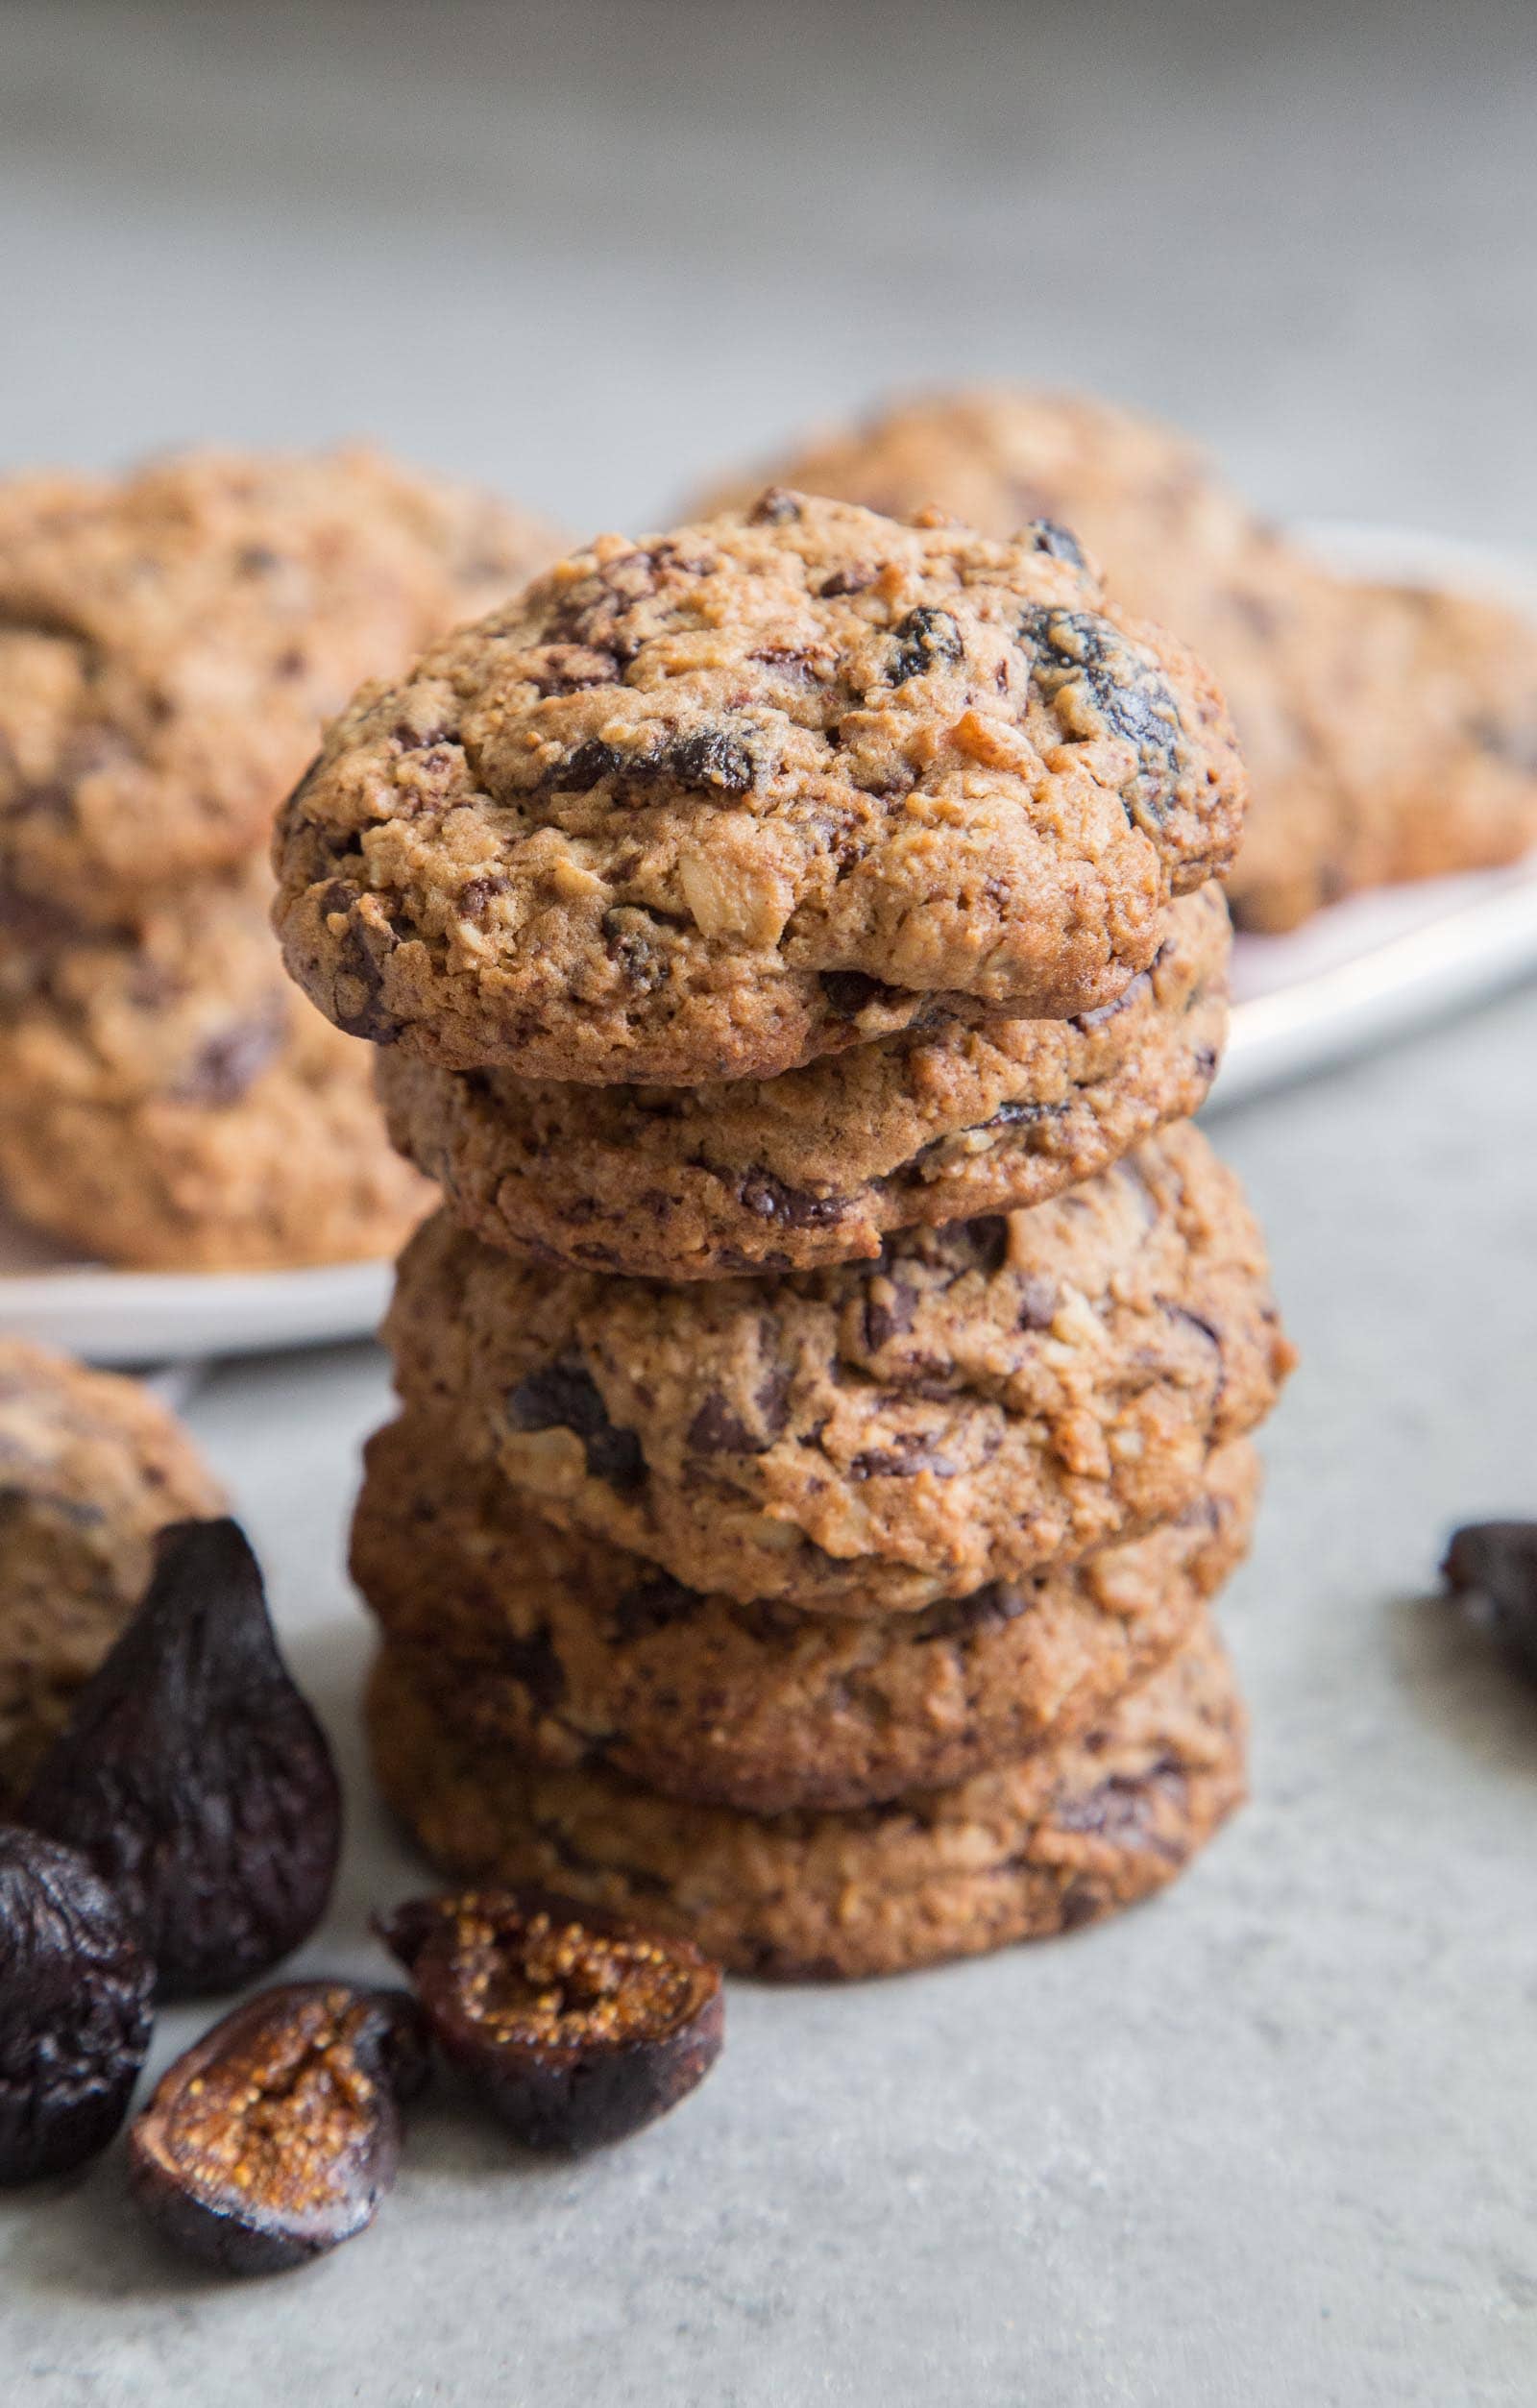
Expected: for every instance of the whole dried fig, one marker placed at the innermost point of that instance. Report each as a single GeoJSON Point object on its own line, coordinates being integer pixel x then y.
{"type": "Point", "coordinates": [576, 2028]}
{"type": "Point", "coordinates": [75, 2012]}
{"type": "Point", "coordinates": [195, 1777]}
{"type": "Point", "coordinates": [277, 2136]}
{"type": "Point", "coordinates": [1497, 1561]}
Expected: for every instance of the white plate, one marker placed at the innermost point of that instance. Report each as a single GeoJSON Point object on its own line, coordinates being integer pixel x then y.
{"type": "Point", "coordinates": [1353, 976]}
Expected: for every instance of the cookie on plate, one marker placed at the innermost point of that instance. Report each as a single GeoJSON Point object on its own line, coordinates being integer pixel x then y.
{"type": "Point", "coordinates": [986, 1400]}
{"type": "Point", "coordinates": [572, 1652]}
{"type": "Point", "coordinates": [713, 804]}
{"type": "Point", "coordinates": [92, 1465]}
{"type": "Point", "coordinates": [1067, 1836]}
{"type": "Point", "coordinates": [168, 1100]}
{"type": "Point", "coordinates": [172, 640]}
{"type": "Point", "coordinates": [1387, 735]}
{"type": "Point", "coordinates": [819, 1165]}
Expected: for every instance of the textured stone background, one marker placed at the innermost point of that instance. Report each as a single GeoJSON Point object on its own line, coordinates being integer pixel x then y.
{"type": "Point", "coordinates": [1273, 2141]}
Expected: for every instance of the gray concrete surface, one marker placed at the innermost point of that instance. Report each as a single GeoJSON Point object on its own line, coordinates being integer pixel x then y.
{"type": "Point", "coordinates": [1272, 2141]}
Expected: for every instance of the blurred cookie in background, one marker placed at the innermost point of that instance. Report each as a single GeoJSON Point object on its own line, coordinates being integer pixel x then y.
{"type": "Point", "coordinates": [1389, 733]}
{"type": "Point", "coordinates": [169, 1101]}
{"type": "Point", "coordinates": [171, 643]}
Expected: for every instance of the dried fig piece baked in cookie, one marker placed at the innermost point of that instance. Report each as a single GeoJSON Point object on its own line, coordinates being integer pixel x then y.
{"type": "Point", "coordinates": [936, 1124]}
{"type": "Point", "coordinates": [984, 1400]}
{"type": "Point", "coordinates": [92, 1465]}
{"type": "Point", "coordinates": [572, 1652]}
{"type": "Point", "coordinates": [713, 804]}
{"type": "Point", "coordinates": [1070, 1834]}
{"type": "Point", "coordinates": [171, 640]}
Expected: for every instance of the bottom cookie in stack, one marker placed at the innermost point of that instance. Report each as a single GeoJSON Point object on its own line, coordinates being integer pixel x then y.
{"type": "Point", "coordinates": [1067, 1835]}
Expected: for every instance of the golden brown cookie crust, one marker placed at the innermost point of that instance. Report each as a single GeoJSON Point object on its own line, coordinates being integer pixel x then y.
{"type": "Point", "coordinates": [986, 1399]}
{"type": "Point", "coordinates": [713, 804]}
{"type": "Point", "coordinates": [168, 1100]}
{"type": "Point", "coordinates": [1387, 735]}
{"type": "Point", "coordinates": [572, 1652]}
{"type": "Point", "coordinates": [92, 1465]}
{"type": "Point", "coordinates": [820, 1164]}
{"type": "Point", "coordinates": [172, 640]}
{"type": "Point", "coordinates": [1067, 1837]}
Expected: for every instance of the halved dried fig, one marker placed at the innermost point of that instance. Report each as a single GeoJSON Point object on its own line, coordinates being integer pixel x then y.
{"type": "Point", "coordinates": [75, 2014]}
{"type": "Point", "coordinates": [195, 1777]}
{"type": "Point", "coordinates": [277, 2136]}
{"type": "Point", "coordinates": [1497, 1561]}
{"type": "Point", "coordinates": [575, 2028]}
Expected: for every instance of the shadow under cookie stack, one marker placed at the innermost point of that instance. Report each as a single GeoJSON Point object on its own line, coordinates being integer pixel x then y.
{"type": "Point", "coordinates": [794, 948]}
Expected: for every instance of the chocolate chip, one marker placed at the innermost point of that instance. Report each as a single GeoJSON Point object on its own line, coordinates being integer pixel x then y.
{"type": "Point", "coordinates": [566, 668]}
{"type": "Point", "coordinates": [1120, 1809]}
{"type": "Point", "coordinates": [1050, 536]}
{"type": "Point", "coordinates": [1087, 1021]}
{"type": "Point", "coordinates": [991, 1608]}
{"type": "Point", "coordinates": [589, 766]}
{"type": "Point", "coordinates": [770, 1199]}
{"type": "Point", "coordinates": [925, 639]}
{"type": "Point", "coordinates": [229, 1064]}
{"type": "Point", "coordinates": [357, 984]}
{"type": "Point", "coordinates": [846, 581]}
{"type": "Point", "coordinates": [655, 1603]}
{"type": "Point", "coordinates": [849, 992]}
{"type": "Point", "coordinates": [565, 1396]}
{"type": "Point", "coordinates": [774, 508]}
{"type": "Point", "coordinates": [711, 759]}
{"type": "Point", "coordinates": [533, 1663]}
{"type": "Point", "coordinates": [987, 1241]}
{"type": "Point", "coordinates": [1127, 693]}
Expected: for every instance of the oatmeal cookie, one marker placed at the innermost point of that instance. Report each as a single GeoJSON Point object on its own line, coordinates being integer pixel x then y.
{"type": "Point", "coordinates": [1067, 1836]}
{"type": "Point", "coordinates": [172, 640]}
{"type": "Point", "coordinates": [573, 1652]}
{"type": "Point", "coordinates": [711, 805]}
{"type": "Point", "coordinates": [168, 1100]}
{"type": "Point", "coordinates": [819, 1164]}
{"type": "Point", "coordinates": [1388, 735]}
{"type": "Point", "coordinates": [92, 1465]}
{"type": "Point", "coordinates": [984, 1400]}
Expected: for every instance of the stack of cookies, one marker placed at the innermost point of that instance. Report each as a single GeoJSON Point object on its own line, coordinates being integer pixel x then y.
{"type": "Point", "coordinates": [795, 951]}
{"type": "Point", "coordinates": [170, 644]}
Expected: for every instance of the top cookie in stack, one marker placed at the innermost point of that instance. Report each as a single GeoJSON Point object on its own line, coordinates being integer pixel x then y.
{"type": "Point", "coordinates": [717, 805]}
{"type": "Point", "coordinates": [171, 643]}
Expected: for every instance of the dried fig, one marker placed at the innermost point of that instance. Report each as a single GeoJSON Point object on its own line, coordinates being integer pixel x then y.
{"type": "Point", "coordinates": [1497, 1561]}
{"type": "Point", "coordinates": [195, 1777]}
{"type": "Point", "coordinates": [277, 2136]}
{"type": "Point", "coordinates": [576, 2028]}
{"type": "Point", "coordinates": [75, 2014]}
